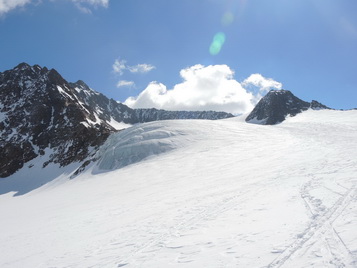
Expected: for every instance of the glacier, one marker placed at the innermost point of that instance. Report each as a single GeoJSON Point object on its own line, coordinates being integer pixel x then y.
{"type": "Point", "coordinates": [196, 193]}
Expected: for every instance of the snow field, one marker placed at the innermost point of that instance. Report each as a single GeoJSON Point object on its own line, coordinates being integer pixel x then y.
{"type": "Point", "coordinates": [201, 194]}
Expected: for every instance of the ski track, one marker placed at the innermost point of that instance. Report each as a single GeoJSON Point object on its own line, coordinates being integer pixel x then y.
{"type": "Point", "coordinates": [320, 228]}
{"type": "Point", "coordinates": [199, 217]}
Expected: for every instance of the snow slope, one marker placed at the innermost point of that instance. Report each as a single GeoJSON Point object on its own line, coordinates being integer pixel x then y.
{"type": "Point", "coordinates": [201, 194]}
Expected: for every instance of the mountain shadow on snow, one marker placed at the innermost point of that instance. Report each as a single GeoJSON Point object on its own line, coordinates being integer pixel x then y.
{"type": "Point", "coordinates": [277, 105]}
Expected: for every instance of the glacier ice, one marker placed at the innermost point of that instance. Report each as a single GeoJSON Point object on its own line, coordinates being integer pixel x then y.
{"type": "Point", "coordinates": [135, 144]}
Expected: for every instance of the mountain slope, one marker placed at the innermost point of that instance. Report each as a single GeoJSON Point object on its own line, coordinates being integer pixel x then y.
{"type": "Point", "coordinates": [41, 113]}
{"type": "Point", "coordinates": [212, 194]}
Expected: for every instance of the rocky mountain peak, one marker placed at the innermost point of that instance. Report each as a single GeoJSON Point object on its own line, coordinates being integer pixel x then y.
{"type": "Point", "coordinates": [39, 111]}
{"type": "Point", "coordinates": [82, 84]}
{"type": "Point", "coordinates": [276, 105]}
{"type": "Point", "coordinates": [55, 78]}
{"type": "Point", "coordinates": [22, 66]}
{"type": "Point", "coordinates": [26, 69]}
{"type": "Point", "coordinates": [315, 105]}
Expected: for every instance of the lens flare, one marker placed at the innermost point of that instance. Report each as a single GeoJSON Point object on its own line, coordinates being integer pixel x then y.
{"type": "Point", "coordinates": [227, 18]}
{"type": "Point", "coordinates": [219, 38]}
{"type": "Point", "coordinates": [217, 43]}
{"type": "Point", "coordinates": [214, 49]}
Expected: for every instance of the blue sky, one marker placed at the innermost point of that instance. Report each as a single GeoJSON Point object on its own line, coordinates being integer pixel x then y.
{"type": "Point", "coordinates": [160, 49]}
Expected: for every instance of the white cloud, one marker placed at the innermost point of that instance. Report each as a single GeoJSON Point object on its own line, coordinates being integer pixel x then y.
{"type": "Point", "coordinates": [83, 5]}
{"type": "Point", "coordinates": [141, 68]}
{"type": "Point", "coordinates": [203, 88]}
{"type": "Point", "coordinates": [83, 9]}
{"type": "Point", "coordinates": [8, 5]}
{"type": "Point", "coordinates": [262, 83]}
{"type": "Point", "coordinates": [103, 3]}
{"type": "Point", "coordinates": [125, 83]}
{"type": "Point", "coordinates": [119, 66]}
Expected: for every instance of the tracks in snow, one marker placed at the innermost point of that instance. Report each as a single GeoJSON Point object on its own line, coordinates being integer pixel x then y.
{"type": "Point", "coordinates": [321, 227]}
{"type": "Point", "coordinates": [186, 220]}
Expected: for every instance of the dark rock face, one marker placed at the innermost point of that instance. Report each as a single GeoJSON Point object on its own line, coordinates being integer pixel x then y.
{"type": "Point", "coordinates": [315, 105]}
{"type": "Point", "coordinates": [276, 105]}
{"type": "Point", "coordinates": [101, 107]}
{"type": "Point", "coordinates": [40, 111]}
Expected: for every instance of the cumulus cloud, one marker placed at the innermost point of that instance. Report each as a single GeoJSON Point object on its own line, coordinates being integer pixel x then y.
{"type": "Point", "coordinates": [8, 5]}
{"type": "Point", "coordinates": [120, 66]}
{"type": "Point", "coordinates": [125, 83]}
{"type": "Point", "coordinates": [203, 88]}
{"type": "Point", "coordinates": [263, 84]}
{"type": "Point", "coordinates": [83, 5]}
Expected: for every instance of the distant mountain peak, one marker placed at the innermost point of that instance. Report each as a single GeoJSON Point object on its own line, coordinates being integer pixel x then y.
{"type": "Point", "coordinates": [81, 83]}
{"type": "Point", "coordinates": [27, 67]}
{"type": "Point", "coordinates": [55, 77]}
{"type": "Point", "coordinates": [276, 105]}
{"type": "Point", "coordinates": [22, 66]}
{"type": "Point", "coordinates": [315, 105]}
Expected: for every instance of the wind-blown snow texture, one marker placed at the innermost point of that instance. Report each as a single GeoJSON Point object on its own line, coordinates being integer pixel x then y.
{"type": "Point", "coordinates": [209, 194]}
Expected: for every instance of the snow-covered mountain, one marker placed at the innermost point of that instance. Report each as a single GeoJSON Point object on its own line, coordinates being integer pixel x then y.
{"type": "Point", "coordinates": [195, 193]}
{"type": "Point", "coordinates": [276, 105]}
{"type": "Point", "coordinates": [43, 114]}
{"type": "Point", "coordinates": [171, 193]}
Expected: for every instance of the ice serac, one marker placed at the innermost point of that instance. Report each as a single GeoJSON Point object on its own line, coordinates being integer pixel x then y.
{"type": "Point", "coordinates": [40, 110]}
{"type": "Point", "coordinates": [135, 144]}
{"type": "Point", "coordinates": [149, 115]}
{"type": "Point", "coordinates": [277, 105]}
